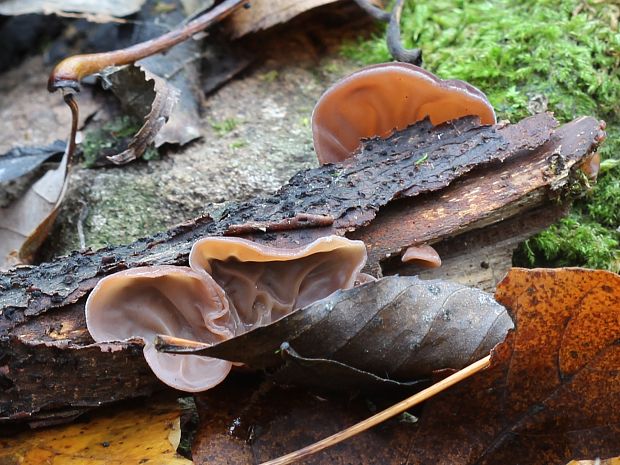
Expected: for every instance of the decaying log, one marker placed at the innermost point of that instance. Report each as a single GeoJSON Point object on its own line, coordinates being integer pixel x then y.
{"type": "Point", "coordinates": [458, 186]}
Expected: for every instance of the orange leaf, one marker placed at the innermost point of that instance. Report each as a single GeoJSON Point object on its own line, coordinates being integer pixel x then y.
{"type": "Point", "coordinates": [552, 392]}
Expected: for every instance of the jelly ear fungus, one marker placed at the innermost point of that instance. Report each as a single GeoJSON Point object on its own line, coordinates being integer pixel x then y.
{"type": "Point", "coordinates": [232, 286]}
{"type": "Point", "coordinates": [377, 100]}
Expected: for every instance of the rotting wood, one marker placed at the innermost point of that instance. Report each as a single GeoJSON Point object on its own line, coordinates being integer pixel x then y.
{"type": "Point", "coordinates": [491, 194]}
{"type": "Point", "coordinates": [351, 193]}
{"type": "Point", "coordinates": [520, 172]}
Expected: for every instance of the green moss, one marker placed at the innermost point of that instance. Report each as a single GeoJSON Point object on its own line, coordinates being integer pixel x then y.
{"type": "Point", "coordinates": [565, 53]}
{"type": "Point", "coordinates": [237, 144]}
{"type": "Point", "coordinates": [573, 241]}
{"type": "Point", "coordinates": [224, 127]}
{"type": "Point", "coordinates": [269, 76]}
{"type": "Point", "coordinates": [124, 212]}
{"type": "Point", "coordinates": [111, 138]}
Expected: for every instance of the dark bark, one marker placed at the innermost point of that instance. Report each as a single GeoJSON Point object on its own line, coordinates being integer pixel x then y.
{"type": "Point", "coordinates": [515, 177]}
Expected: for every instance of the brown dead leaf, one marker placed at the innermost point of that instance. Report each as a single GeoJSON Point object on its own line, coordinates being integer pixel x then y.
{"type": "Point", "coordinates": [139, 86]}
{"type": "Point", "coordinates": [550, 396]}
{"type": "Point", "coordinates": [27, 221]}
{"type": "Point", "coordinates": [244, 422]}
{"type": "Point", "coordinates": [396, 328]}
{"type": "Point", "coordinates": [116, 8]}
{"type": "Point", "coordinates": [553, 391]}
{"type": "Point", "coordinates": [263, 14]}
{"type": "Point", "coordinates": [136, 436]}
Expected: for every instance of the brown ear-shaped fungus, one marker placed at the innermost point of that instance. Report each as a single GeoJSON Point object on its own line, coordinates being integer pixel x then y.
{"type": "Point", "coordinates": [171, 300]}
{"type": "Point", "coordinates": [379, 99]}
{"type": "Point", "coordinates": [264, 283]}
{"type": "Point", "coordinates": [423, 255]}
{"type": "Point", "coordinates": [591, 166]}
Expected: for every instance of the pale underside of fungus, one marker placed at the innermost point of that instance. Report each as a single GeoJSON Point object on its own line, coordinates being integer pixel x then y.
{"type": "Point", "coordinates": [232, 286]}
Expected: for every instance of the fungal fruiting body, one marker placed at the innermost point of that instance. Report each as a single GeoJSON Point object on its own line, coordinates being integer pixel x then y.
{"type": "Point", "coordinates": [265, 283]}
{"type": "Point", "coordinates": [423, 255]}
{"type": "Point", "coordinates": [171, 300]}
{"type": "Point", "coordinates": [591, 166]}
{"type": "Point", "coordinates": [377, 100]}
{"type": "Point", "coordinates": [232, 286]}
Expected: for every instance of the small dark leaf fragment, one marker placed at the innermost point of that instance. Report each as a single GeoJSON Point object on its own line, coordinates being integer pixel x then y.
{"type": "Point", "coordinates": [21, 160]}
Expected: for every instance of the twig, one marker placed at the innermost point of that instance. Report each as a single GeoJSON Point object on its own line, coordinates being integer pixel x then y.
{"type": "Point", "coordinates": [177, 345]}
{"type": "Point", "coordinates": [394, 41]}
{"type": "Point", "coordinates": [384, 415]}
{"type": "Point", "coordinates": [69, 72]}
{"type": "Point", "coordinates": [69, 98]}
{"type": "Point", "coordinates": [374, 11]}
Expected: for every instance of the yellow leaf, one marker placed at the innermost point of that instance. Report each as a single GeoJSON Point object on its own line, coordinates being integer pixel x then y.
{"type": "Point", "coordinates": [138, 436]}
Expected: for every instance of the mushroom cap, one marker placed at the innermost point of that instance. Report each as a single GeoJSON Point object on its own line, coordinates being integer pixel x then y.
{"type": "Point", "coordinates": [424, 255]}
{"type": "Point", "coordinates": [264, 283]}
{"type": "Point", "coordinates": [591, 166]}
{"type": "Point", "coordinates": [171, 300]}
{"type": "Point", "coordinates": [379, 99]}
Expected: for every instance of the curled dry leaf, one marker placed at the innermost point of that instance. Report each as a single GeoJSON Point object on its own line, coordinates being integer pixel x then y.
{"type": "Point", "coordinates": [26, 222]}
{"type": "Point", "coordinates": [179, 67]}
{"type": "Point", "coordinates": [399, 328]}
{"type": "Point", "coordinates": [144, 435]}
{"type": "Point", "coordinates": [553, 390]}
{"type": "Point", "coordinates": [137, 85]}
{"type": "Point", "coordinates": [116, 8]}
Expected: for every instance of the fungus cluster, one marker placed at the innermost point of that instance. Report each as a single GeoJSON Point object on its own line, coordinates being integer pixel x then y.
{"type": "Point", "coordinates": [231, 286]}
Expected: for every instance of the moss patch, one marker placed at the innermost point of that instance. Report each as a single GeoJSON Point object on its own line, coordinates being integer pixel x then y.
{"type": "Point", "coordinates": [112, 138]}
{"type": "Point", "coordinates": [224, 127]}
{"type": "Point", "coordinates": [563, 55]}
{"type": "Point", "coordinates": [124, 211]}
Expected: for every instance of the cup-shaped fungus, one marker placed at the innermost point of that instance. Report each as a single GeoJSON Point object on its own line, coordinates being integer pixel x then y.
{"type": "Point", "coordinates": [379, 99]}
{"type": "Point", "coordinates": [265, 283]}
{"type": "Point", "coordinates": [423, 255]}
{"type": "Point", "coordinates": [591, 166]}
{"type": "Point", "coordinates": [171, 300]}
{"type": "Point", "coordinates": [232, 286]}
